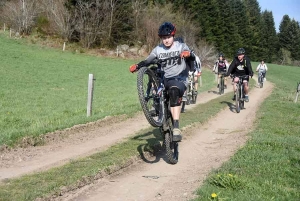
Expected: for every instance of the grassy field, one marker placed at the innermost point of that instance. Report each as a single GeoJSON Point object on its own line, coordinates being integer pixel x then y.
{"type": "Point", "coordinates": [43, 90]}
{"type": "Point", "coordinates": [268, 167]}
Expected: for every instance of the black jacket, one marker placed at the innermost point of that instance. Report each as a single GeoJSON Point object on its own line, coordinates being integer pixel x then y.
{"type": "Point", "coordinates": [240, 68]}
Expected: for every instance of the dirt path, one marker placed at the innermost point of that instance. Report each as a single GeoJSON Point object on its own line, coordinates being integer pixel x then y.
{"type": "Point", "coordinates": [206, 148]}
{"type": "Point", "coordinates": [81, 140]}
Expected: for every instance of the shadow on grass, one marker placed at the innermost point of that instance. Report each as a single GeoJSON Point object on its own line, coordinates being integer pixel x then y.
{"type": "Point", "coordinates": [231, 106]}
{"type": "Point", "coordinates": [211, 91]}
{"type": "Point", "coordinates": [153, 146]}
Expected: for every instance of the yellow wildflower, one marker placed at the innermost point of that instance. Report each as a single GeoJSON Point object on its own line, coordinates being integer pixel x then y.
{"type": "Point", "coordinates": [230, 175]}
{"type": "Point", "coordinates": [214, 195]}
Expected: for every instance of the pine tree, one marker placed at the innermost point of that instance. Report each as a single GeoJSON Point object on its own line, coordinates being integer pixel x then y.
{"type": "Point", "coordinates": [255, 27]}
{"type": "Point", "coordinates": [269, 38]}
{"type": "Point", "coordinates": [294, 36]}
{"type": "Point", "coordinates": [284, 39]}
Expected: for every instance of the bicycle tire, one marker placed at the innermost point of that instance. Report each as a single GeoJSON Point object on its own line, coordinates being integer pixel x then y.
{"type": "Point", "coordinates": [194, 97]}
{"type": "Point", "coordinates": [172, 148]}
{"type": "Point", "coordinates": [189, 94]}
{"type": "Point", "coordinates": [183, 107]}
{"type": "Point", "coordinates": [150, 102]}
{"type": "Point", "coordinates": [237, 100]}
{"type": "Point", "coordinates": [242, 102]}
{"type": "Point", "coordinates": [222, 85]}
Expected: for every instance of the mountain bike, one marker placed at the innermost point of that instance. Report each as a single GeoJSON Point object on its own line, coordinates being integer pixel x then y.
{"type": "Point", "coordinates": [261, 79]}
{"type": "Point", "coordinates": [240, 94]}
{"type": "Point", "coordinates": [222, 83]}
{"type": "Point", "coordinates": [191, 93]}
{"type": "Point", "coordinates": [154, 100]}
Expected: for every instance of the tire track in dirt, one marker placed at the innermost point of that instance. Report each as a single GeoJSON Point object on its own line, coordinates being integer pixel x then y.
{"type": "Point", "coordinates": [207, 147]}
{"type": "Point", "coordinates": [84, 140]}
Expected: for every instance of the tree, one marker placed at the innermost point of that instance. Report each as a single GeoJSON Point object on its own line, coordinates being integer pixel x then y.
{"type": "Point", "coordinates": [289, 36]}
{"type": "Point", "coordinates": [60, 17]}
{"type": "Point", "coordinates": [269, 40]}
{"type": "Point", "coordinates": [253, 13]}
{"type": "Point", "coordinates": [21, 14]}
{"type": "Point", "coordinates": [284, 39]}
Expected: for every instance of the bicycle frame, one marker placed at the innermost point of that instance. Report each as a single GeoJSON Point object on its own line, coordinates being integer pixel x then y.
{"type": "Point", "coordinates": [240, 92]}
{"type": "Point", "coordinates": [167, 124]}
{"type": "Point", "coordinates": [260, 79]}
{"type": "Point", "coordinates": [222, 83]}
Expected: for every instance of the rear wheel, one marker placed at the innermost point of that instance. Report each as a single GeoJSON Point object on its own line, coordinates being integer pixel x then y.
{"type": "Point", "coordinates": [171, 146]}
{"type": "Point", "coordinates": [151, 102]}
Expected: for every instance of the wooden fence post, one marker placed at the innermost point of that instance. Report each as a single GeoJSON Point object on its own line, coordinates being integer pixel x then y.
{"type": "Point", "coordinates": [4, 28]}
{"type": "Point", "coordinates": [90, 94]}
{"type": "Point", "coordinates": [64, 46]}
{"type": "Point", "coordinates": [10, 32]}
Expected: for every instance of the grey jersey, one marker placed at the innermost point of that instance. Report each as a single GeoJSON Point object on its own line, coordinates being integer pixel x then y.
{"type": "Point", "coordinates": [169, 58]}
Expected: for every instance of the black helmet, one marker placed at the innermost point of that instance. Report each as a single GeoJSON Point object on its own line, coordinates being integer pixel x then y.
{"type": "Point", "coordinates": [241, 51]}
{"type": "Point", "coordinates": [221, 54]}
{"type": "Point", "coordinates": [166, 29]}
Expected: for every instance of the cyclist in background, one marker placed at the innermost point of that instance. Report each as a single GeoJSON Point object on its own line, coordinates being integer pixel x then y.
{"type": "Point", "coordinates": [197, 71]}
{"type": "Point", "coordinates": [193, 67]}
{"type": "Point", "coordinates": [170, 53]}
{"type": "Point", "coordinates": [240, 66]}
{"type": "Point", "coordinates": [262, 68]}
{"type": "Point", "coordinates": [220, 67]}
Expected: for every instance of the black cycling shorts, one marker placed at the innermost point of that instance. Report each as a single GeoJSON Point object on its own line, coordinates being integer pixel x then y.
{"type": "Point", "coordinates": [176, 83]}
{"type": "Point", "coordinates": [221, 70]}
{"type": "Point", "coordinates": [243, 78]}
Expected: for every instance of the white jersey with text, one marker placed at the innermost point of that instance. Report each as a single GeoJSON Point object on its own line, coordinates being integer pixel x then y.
{"type": "Point", "coordinates": [169, 58]}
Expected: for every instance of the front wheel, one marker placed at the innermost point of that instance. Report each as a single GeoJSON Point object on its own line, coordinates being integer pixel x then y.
{"type": "Point", "coordinates": [194, 96]}
{"type": "Point", "coordinates": [221, 87]}
{"type": "Point", "coordinates": [151, 102]}
{"type": "Point", "coordinates": [237, 101]}
{"type": "Point", "coordinates": [172, 150]}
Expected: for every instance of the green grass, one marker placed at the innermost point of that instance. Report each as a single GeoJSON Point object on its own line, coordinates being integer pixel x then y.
{"type": "Point", "coordinates": [268, 167]}
{"type": "Point", "coordinates": [44, 90]}
{"type": "Point", "coordinates": [85, 170]}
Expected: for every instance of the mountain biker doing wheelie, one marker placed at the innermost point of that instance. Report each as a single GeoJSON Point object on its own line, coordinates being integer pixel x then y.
{"type": "Point", "coordinates": [220, 67]}
{"type": "Point", "coordinates": [193, 67]}
{"type": "Point", "coordinates": [240, 66]}
{"type": "Point", "coordinates": [170, 53]}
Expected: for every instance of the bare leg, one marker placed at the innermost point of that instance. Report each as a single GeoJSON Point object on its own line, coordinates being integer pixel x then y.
{"type": "Point", "coordinates": [246, 87]}
{"type": "Point", "coordinates": [175, 111]}
{"type": "Point", "coordinates": [236, 79]}
{"type": "Point", "coordinates": [196, 83]}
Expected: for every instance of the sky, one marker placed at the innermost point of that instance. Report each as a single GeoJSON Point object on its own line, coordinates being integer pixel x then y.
{"type": "Point", "coordinates": [280, 8]}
